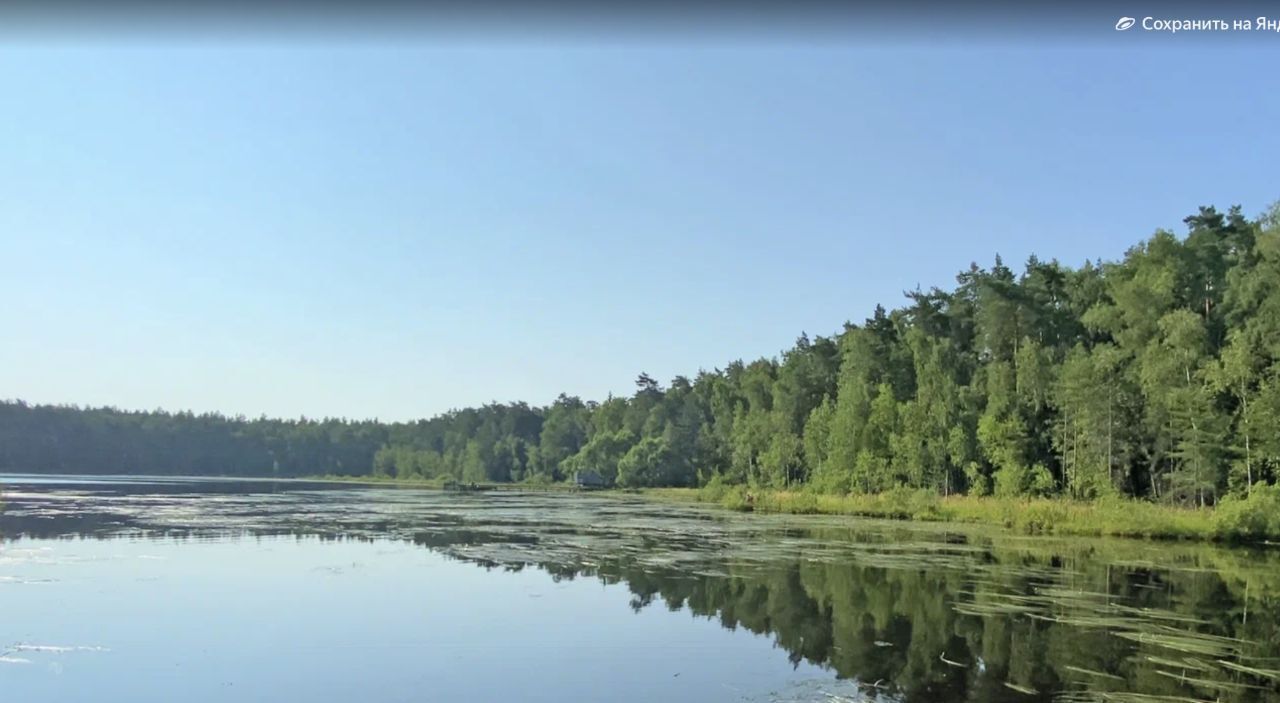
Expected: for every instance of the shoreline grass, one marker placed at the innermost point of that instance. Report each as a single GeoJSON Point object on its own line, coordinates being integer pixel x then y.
{"type": "Point", "coordinates": [1255, 520]}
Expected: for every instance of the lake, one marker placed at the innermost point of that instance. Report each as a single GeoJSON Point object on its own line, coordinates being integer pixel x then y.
{"type": "Point", "coordinates": [141, 589]}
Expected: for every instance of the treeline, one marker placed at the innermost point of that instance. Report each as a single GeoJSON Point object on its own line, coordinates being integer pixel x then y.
{"type": "Point", "coordinates": [67, 439]}
{"type": "Point", "coordinates": [1154, 376]}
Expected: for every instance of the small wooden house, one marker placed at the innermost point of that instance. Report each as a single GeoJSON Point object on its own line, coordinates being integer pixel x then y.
{"type": "Point", "coordinates": [588, 480]}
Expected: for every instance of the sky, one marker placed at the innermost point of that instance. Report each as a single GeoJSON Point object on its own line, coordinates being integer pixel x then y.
{"type": "Point", "coordinates": [355, 230]}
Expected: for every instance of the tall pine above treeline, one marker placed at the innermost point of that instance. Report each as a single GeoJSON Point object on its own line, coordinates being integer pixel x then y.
{"type": "Point", "coordinates": [1156, 376]}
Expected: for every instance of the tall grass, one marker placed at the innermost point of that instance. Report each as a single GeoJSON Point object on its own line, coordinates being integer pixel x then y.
{"type": "Point", "coordinates": [1252, 519]}
{"type": "Point", "coordinates": [1255, 519]}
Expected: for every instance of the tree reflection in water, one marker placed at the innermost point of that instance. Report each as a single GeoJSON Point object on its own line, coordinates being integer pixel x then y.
{"type": "Point", "coordinates": [911, 612]}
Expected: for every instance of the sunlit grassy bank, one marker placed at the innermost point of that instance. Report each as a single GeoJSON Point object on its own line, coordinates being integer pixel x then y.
{"type": "Point", "coordinates": [1256, 519]}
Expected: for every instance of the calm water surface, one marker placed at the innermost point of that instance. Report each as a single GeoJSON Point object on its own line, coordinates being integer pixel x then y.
{"type": "Point", "coordinates": [206, 590]}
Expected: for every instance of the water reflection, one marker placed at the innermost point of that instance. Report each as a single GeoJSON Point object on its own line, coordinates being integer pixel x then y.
{"type": "Point", "coordinates": [908, 612]}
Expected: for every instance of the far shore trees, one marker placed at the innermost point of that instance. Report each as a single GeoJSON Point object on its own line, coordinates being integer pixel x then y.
{"type": "Point", "coordinates": [1156, 376]}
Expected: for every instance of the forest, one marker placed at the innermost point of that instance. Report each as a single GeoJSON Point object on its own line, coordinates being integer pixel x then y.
{"type": "Point", "coordinates": [1156, 376]}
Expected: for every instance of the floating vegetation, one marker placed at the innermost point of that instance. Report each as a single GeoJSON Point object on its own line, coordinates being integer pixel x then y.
{"type": "Point", "coordinates": [911, 608]}
{"type": "Point", "coordinates": [1159, 614]}
{"type": "Point", "coordinates": [1088, 621]}
{"type": "Point", "coordinates": [991, 609]}
{"type": "Point", "coordinates": [1273, 674]}
{"type": "Point", "coordinates": [1091, 672]}
{"type": "Point", "coordinates": [55, 648]}
{"type": "Point", "coordinates": [1205, 683]}
{"type": "Point", "coordinates": [1185, 663]}
{"type": "Point", "coordinates": [1065, 594]}
{"type": "Point", "coordinates": [1189, 643]}
{"type": "Point", "coordinates": [1123, 697]}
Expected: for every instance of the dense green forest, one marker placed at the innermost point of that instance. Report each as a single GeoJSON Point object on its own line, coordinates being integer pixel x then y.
{"type": "Point", "coordinates": [1155, 376]}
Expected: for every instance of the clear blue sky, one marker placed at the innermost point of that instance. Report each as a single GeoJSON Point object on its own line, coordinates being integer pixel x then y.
{"type": "Point", "coordinates": [354, 232]}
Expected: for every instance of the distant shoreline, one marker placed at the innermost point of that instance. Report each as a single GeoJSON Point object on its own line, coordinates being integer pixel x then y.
{"type": "Point", "coordinates": [1119, 517]}
{"type": "Point", "coordinates": [1255, 521]}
